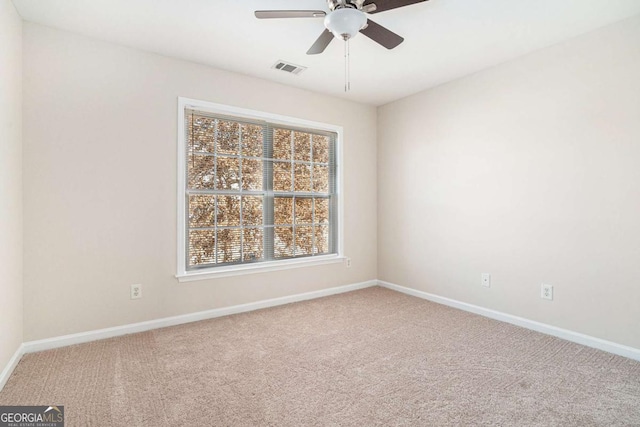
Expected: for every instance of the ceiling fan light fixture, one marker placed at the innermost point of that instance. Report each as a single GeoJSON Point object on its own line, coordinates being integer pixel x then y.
{"type": "Point", "coordinates": [345, 23]}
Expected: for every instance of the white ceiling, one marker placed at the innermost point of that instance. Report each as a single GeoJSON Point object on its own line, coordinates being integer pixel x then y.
{"type": "Point", "coordinates": [444, 39]}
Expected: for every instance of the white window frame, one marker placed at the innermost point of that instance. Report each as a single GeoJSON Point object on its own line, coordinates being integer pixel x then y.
{"type": "Point", "coordinates": [185, 275]}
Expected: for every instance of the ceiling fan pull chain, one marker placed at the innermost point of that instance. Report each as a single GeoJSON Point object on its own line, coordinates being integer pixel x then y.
{"type": "Point", "coordinates": [347, 68]}
{"type": "Point", "coordinates": [345, 65]}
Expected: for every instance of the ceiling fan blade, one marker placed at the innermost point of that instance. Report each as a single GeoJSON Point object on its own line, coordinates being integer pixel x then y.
{"type": "Point", "coordinates": [271, 14]}
{"type": "Point", "coordinates": [380, 34]}
{"type": "Point", "coordinates": [382, 5]}
{"type": "Point", "coordinates": [321, 44]}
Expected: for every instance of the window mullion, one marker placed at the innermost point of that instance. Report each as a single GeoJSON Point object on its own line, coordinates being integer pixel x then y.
{"type": "Point", "coordinates": [240, 188]}
{"type": "Point", "coordinates": [215, 185]}
{"type": "Point", "coordinates": [268, 202]}
{"type": "Point", "coordinates": [313, 200]}
{"type": "Point", "coordinates": [293, 189]}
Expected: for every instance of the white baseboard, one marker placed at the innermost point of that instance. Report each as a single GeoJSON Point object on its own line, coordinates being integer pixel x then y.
{"type": "Point", "coordinates": [62, 341]}
{"type": "Point", "coordinates": [82, 337]}
{"type": "Point", "coordinates": [587, 340]}
{"type": "Point", "coordinates": [13, 362]}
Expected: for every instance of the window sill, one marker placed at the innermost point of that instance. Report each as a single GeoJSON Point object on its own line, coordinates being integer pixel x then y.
{"type": "Point", "coordinates": [238, 270]}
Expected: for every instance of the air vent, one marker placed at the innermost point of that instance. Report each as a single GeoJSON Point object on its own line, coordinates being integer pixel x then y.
{"type": "Point", "coordinates": [288, 67]}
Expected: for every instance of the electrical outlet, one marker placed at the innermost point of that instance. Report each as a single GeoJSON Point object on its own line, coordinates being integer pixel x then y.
{"type": "Point", "coordinates": [348, 262]}
{"type": "Point", "coordinates": [136, 291]}
{"type": "Point", "coordinates": [546, 291]}
{"type": "Point", "coordinates": [486, 280]}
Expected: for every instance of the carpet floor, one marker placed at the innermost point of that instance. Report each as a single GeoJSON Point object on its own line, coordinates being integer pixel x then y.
{"type": "Point", "coordinates": [369, 357]}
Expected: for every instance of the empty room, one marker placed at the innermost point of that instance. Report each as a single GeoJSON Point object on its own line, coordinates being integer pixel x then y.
{"type": "Point", "coordinates": [319, 213]}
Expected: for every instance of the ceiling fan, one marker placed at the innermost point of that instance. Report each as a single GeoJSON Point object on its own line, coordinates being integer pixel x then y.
{"type": "Point", "coordinates": [345, 19]}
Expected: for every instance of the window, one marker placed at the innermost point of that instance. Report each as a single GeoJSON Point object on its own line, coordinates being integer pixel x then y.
{"type": "Point", "coordinates": [257, 191]}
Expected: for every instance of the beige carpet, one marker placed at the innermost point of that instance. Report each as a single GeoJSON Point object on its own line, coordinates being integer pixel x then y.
{"type": "Point", "coordinates": [370, 357]}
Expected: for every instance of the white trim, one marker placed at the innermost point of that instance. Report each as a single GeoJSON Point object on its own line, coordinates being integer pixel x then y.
{"type": "Point", "coordinates": [13, 362]}
{"type": "Point", "coordinates": [180, 200]}
{"type": "Point", "coordinates": [246, 113]}
{"type": "Point", "coordinates": [183, 273]}
{"type": "Point", "coordinates": [340, 188]}
{"type": "Point", "coordinates": [587, 340]}
{"type": "Point", "coordinates": [83, 337]}
{"type": "Point", "coordinates": [260, 267]}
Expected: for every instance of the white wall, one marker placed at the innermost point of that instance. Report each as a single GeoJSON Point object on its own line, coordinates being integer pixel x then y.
{"type": "Point", "coordinates": [529, 171]}
{"type": "Point", "coordinates": [100, 132]}
{"type": "Point", "coordinates": [10, 181]}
